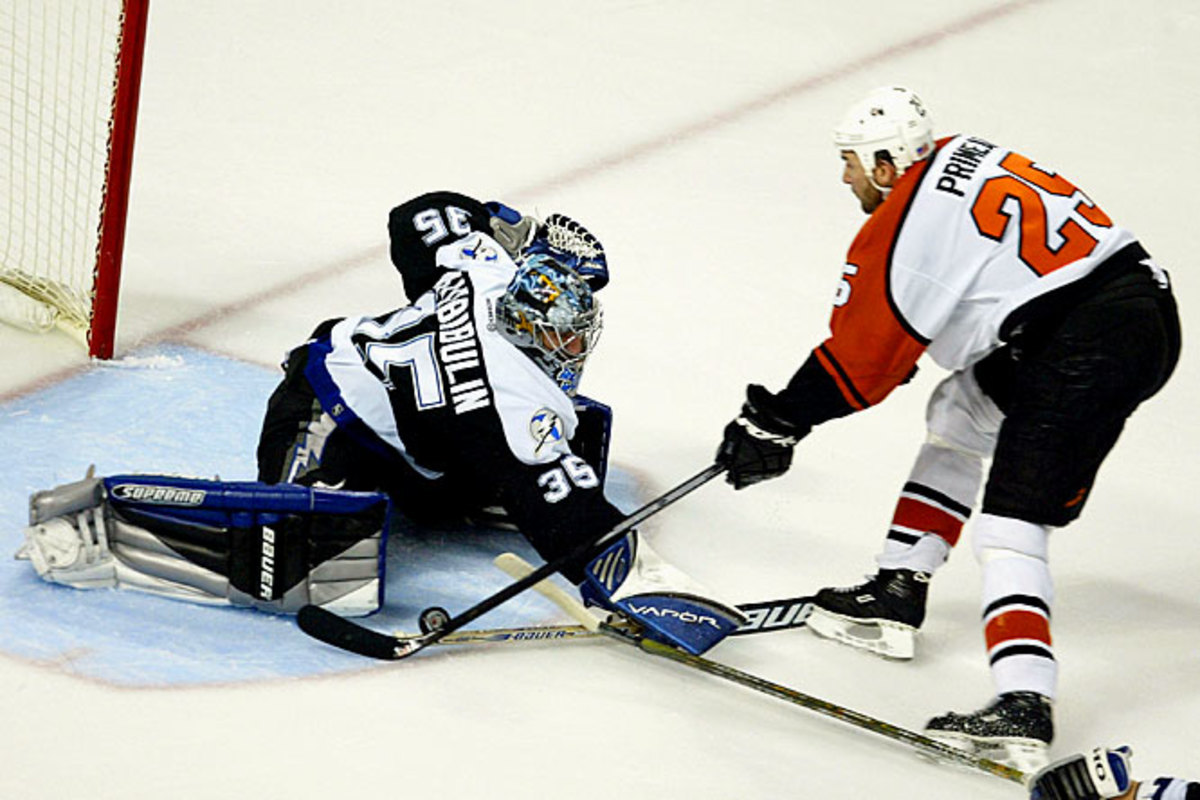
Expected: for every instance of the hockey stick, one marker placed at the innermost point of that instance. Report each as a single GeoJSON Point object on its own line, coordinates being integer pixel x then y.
{"type": "Point", "coordinates": [763, 616]}
{"type": "Point", "coordinates": [320, 623]}
{"type": "Point", "coordinates": [522, 635]}
{"type": "Point", "coordinates": [515, 566]}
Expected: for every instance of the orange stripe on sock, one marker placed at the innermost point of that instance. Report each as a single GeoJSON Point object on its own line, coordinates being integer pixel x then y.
{"type": "Point", "coordinates": [912, 513]}
{"type": "Point", "coordinates": [1016, 624]}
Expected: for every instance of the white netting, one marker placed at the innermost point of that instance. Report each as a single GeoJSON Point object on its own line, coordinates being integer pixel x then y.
{"type": "Point", "coordinates": [57, 66]}
{"type": "Point", "coordinates": [564, 233]}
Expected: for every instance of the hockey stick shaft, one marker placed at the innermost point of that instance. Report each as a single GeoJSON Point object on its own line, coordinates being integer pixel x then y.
{"type": "Point", "coordinates": [920, 742]}
{"type": "Point", "coordinates": [532, 633]}
{"type": "Point", "coordinates": [515, 566]}
{"type": "Point", "coordinates": [584, 549]}
{"type": "Point", "coordinates": [339, 632]}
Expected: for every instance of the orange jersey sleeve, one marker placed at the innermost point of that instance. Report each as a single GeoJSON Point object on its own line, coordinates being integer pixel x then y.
{"type": "Point", "coordinates": [871, 350]}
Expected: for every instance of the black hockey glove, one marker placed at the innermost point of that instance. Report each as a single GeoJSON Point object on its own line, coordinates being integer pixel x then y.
{"type": "Point", "coordinates": [758, 444]}
{"type": "Point", "coordinates": [1100, 774]}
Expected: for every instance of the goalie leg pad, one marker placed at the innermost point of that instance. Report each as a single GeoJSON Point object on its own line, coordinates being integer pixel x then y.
{"type": "Point", "coordinates": [271, 547]}
{"type": "Point", "coordinates": [633, 580]}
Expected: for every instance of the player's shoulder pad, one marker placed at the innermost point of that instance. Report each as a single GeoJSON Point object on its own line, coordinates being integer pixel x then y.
{"type": "Point", "coordinates": [482, 257]}
{"type": "Point", "coordinates": [538, 419]}
{"type": "Point", "coordinates": [418, 227]}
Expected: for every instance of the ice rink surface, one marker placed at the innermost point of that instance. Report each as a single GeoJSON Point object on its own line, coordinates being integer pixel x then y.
{"type": "Point", "coordinates": [693, 137]}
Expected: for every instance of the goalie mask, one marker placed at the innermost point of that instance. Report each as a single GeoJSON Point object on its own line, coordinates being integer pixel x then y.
{"type": "Point", "coordinates": [549, 312]}
{"type": "Point", "coordinates": [892, 119]}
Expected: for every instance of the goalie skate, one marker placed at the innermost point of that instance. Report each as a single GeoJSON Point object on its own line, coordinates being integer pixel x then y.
{"type": "Point", "coordinates": [1015, 729]}
{"type": "Point", "coordinates": [881, 615]}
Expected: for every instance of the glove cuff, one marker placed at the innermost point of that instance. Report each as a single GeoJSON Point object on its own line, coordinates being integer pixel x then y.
{"type": "Point", "coordinates": [770, 414]}
{"type": "Point", "coordinates": [781, 438]}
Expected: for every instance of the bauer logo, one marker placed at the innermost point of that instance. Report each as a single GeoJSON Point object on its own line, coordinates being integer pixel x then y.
{"type": "Point", "coordinates": [546, 428]}
{"type": "Point", "coordinates": [160, 495]}
{"type": "Point", "coordinates": [266, 576]}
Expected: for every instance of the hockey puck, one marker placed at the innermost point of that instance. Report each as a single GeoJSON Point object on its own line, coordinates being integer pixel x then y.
{"type": "Point", "coordinates": [433, 618]}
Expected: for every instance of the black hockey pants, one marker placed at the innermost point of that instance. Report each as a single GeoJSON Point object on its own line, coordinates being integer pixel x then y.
{"type": "Point", "coordinates": [1074, 370]}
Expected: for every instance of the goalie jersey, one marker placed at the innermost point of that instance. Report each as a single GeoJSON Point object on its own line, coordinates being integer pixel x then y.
{"type": "Point", "coordinates": [448, 414]}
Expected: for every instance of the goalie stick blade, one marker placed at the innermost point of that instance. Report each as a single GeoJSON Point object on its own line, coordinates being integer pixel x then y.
{"type": "Point", "coordinates": [331, 629]}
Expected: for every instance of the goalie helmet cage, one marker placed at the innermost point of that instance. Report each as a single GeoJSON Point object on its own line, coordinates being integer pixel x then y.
{"type": "Point", "coordinates": [69, 78]}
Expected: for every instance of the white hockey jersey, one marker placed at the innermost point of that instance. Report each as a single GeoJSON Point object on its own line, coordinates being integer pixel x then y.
{"type": "Point", "coordinates": [404, 372]}
{"type": "Point", "coordinates": [436, 385]}
{"type": "Point", "coordinates": [964, 239]}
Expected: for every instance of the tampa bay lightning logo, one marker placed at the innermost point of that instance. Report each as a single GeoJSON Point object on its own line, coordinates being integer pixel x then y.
{"type": "Point", "coordinates": [568, 379]}
{"type": "Point", "coordinates": [479, 251]}
{"type": "Point", "coordinates": [546, 428]}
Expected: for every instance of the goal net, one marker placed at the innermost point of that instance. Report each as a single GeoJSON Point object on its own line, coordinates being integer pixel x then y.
{"type": "Point", "coordinates": [69, 74]}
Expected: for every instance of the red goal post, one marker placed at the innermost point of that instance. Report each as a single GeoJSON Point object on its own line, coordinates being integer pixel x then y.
{"type": "Point", "coordinates": [70, 72]}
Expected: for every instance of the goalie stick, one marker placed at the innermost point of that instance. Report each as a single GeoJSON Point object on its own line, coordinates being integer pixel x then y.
{"type": "Point", "coordinates": [515, 566]}
{"type": "Point", "coordinates": [320, 623]}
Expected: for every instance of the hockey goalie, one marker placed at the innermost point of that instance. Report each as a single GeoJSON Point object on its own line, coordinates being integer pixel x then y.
{"type": "Point", "coordinates": [460, 405]}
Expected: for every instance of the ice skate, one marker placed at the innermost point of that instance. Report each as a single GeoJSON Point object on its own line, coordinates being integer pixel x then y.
{"type": "Point", "coordinates": [1015, 729]}
{"type": "Point", "coordinates": [881, 615]}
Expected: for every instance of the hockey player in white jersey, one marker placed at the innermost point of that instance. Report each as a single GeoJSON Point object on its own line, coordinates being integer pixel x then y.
{"type": "Point", "coordinates": [462, 402]}
{"type": "Point", "coordinates": [1055, 324]}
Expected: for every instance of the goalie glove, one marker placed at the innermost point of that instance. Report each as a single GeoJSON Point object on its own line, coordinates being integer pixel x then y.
{"type": "Point", "coordinates": [569, 242]}
{"type": "Point", "coordinates": [559, 236]}
{"type": "Point", "coordinates": [758, 443]}
{"type": "Point", "coordinates": [1101, 774]}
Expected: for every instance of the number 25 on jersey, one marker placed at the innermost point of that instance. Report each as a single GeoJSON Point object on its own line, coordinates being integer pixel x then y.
{"type": "Point", "coordinates": [1030, 189]}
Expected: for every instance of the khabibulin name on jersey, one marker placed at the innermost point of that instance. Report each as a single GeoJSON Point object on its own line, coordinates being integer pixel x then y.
{"type": "Point", "coordinates": [458, 344]}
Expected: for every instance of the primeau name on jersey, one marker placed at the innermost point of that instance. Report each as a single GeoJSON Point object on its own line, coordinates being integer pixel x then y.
{"type": "Point", "coordinates": [962, 164]}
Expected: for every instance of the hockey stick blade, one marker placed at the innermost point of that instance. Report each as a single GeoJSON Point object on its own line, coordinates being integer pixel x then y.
{"type": "Point", "coordinates": [342, 633]}
{"type": "Point", "coordinates": [939, 751]}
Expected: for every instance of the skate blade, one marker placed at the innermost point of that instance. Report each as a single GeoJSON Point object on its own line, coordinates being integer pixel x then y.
{"type": "Point", "coordinates": [891, 640]}
{"type": "Point", "coordinates": [1027, 755]}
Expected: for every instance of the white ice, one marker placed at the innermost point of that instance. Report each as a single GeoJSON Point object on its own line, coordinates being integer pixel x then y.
{"type": "Point", "coordinates": [694, 137]}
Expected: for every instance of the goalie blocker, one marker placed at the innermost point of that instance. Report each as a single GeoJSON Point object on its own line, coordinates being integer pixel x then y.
{"type": "Point", "coordinates": [273, 547]}
{"type": "Point", "coordinates": [632, 579]}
